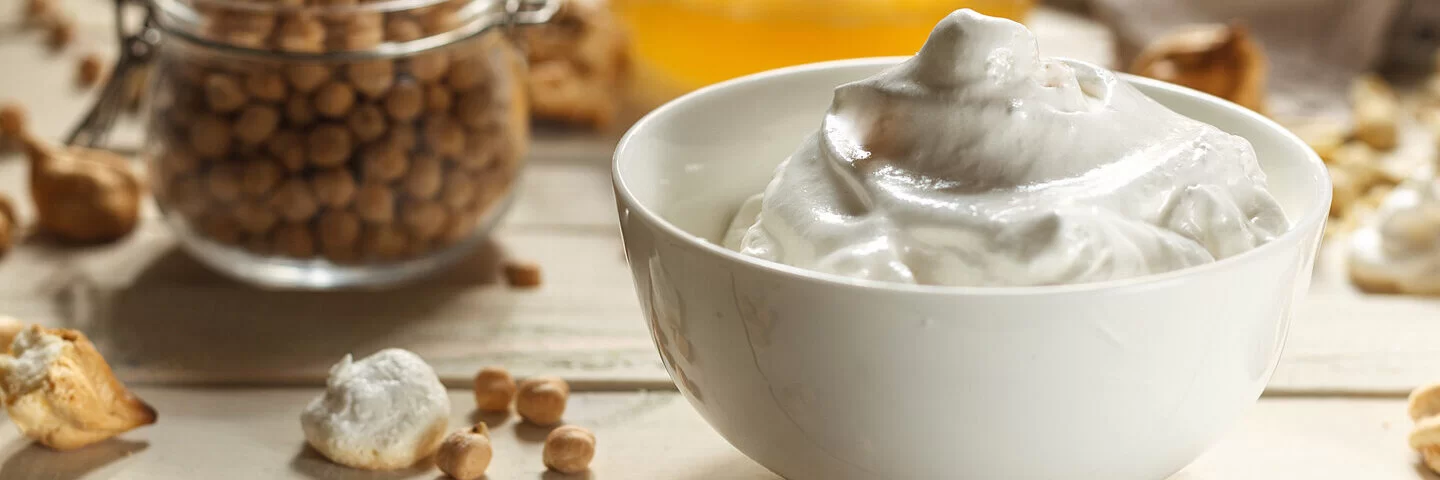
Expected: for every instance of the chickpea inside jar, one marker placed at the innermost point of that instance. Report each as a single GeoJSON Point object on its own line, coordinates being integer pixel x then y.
{"type": "Point", "coordinates": [334, 143]}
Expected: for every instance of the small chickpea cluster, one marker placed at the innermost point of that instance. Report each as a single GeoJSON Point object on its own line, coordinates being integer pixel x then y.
{"type": "Point", "coordinates": [368, 161]}
{"type": "Point", "coordinates": [540, 401]}
{"type": "Point", "coordinates": [1360, 178]}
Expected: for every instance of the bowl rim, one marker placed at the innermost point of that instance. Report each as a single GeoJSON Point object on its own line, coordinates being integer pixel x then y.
{"type": "Point", "coordinates": [1309, 221]}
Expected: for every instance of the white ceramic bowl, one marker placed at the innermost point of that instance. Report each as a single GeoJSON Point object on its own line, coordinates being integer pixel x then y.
{"type": "Point", "coordinates": [828, 378]}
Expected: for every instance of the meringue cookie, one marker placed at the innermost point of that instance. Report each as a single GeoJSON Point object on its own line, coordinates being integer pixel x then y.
{"type": "Point", "coordinates": [383, 412]}
{"type": "Point", "coordinates": [1398, 250]}
{"type": "Point", "coordinates": [979, 163]}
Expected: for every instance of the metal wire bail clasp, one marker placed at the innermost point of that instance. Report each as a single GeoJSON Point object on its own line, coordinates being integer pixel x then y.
{"type": "Point", "coordinates": [530, 12]}
{"type": "Point", "coordinates": [137, 49]}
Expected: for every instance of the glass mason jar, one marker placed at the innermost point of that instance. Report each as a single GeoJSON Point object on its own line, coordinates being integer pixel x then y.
{"type": "Point", "coordinates": [334, 143]}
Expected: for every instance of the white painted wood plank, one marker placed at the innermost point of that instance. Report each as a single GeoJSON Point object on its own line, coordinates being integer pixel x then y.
{"type": "Point", "coordinates": [248, 434]}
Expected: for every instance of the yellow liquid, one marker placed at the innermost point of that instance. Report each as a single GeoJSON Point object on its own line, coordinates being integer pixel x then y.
{"type": "Point", "coordinates": [692, 43]}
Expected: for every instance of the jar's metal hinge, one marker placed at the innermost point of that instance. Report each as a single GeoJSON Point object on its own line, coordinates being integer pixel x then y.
{"type": "Point", "coordinates": [137, 49]}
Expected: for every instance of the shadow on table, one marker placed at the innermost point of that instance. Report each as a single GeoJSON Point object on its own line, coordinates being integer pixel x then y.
{"type": "Point", "coordinates": [179, 322]}
{"type": "Point", "coordinates": [1424, 473]}
{"type": "Point", "coordinates": [35, 461]}
{"type": "Point", "coordinates": [310, 463]}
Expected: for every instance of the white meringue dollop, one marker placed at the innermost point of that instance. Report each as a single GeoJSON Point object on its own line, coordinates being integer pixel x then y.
{"type": "Point", "coordinates": [383, 412]}
{"type": "Point", "coordinates": [1398, 250]}
{"type": "Point", "coordinates": [979, 163]}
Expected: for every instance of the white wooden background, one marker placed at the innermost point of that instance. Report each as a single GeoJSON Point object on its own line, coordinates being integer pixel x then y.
{"type": "Point", "coordinates": [229, 366]}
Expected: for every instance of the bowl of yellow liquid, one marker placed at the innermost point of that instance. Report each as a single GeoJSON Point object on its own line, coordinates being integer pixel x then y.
{"type": "Point", "coordinates": [687, 44]}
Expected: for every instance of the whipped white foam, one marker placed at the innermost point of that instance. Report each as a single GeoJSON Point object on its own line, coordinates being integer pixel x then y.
{"type": "Point", "coordinates": [1399, 249]}
{"type": "Point", "coordinates": [977, 162]}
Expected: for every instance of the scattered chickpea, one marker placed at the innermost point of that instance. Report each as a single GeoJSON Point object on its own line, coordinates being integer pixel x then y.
{"type": "Point", "coordinates": [339, 229]}
{"type": "Point", "coordinates": [494, 389]}
{"type": "Point", "coordinates": [403, 30]}
{"type": "Point", "coordinates": [541, 400]}
{"type": "Point", "coordinates": [90, 70]}
{"type": "Point", "coordinates": [37, 11]}
{"type": "Point", "coordinates": [254, 217]}
{"type": "Point", "coordinates": [430, 67]}
{"type": "Point", "coordinates": [301, 33]}
{"type": "Point", "coordinates": [425, 220]}
{"type": "Point", "coordinates": [1376, 112]}
{"type": "Point", "coordinates": [522, 274]}
{"type": "Point", "coordinates": [305, 77]}
{"type": "Point", "coordinates": [444, 136]}
{"type": "Point", "coordinates": [334, 187]}
{"type": "Point", "coordinates": [266, 85]}
{"type": "Point", "coordinates": [260, 176]}
{"type": "Point", "coordinates": [367, 122]}
{"type": "Point", "coordinates": [405, 102]}
{"type": "Point", "coordinates": [12, 120]}
{"type": "Point", "coordinates": [424, 178]}
{"type": "Point", "coordinates": [223, 182]}
{"type": "Point", "coordinates": [334, 99]}
{"type": "Point", "coordinates": [329, 145]}
{"type": "Point", "coordinates": [569, 449]}
{"type": "Point", "coordinates": [289, 148]}
{"type": "Point", "coordinates": [294, 201]}
{"type": "Point", "coordinates": [375, 203]}
{"type": "Point", "coordinates": [294, 240]}
{"type": "Point", "coordinates": [438, 99]}
{"type": "Point", "coordinates": [384, 242]}
{"type": "Point", "coordinates": [9, 224]}
{"type": "Point", "coordinates": [383, 162]}
{"type": "Point", "coordinates": [465, 454]}
{"type": "Point", "coordinates": [256, 123]}
{"type": "Point", "coordinates": [224, 93]}
{"type": "Point", "coordinates": [457, 191]}
{"type": "Point", "coordinates": [62, 32]}
{"type": "Point", "coordinates": [372, 78]}
{"type": "Point", "coordinates": [299, 112]}
{"type": "Point", "coordinates": [210, 136]}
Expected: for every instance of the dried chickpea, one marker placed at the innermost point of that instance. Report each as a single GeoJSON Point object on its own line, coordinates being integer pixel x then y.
{"type": "Point", "coordinates": [334, 187]}
{"type": "Point", "coordinates": [541, 400]}
{"type": "Point", "coordinates": [468, 73]}
{"type": "Point", "coordinates": [426, 220]}
{"type": "Point", "coordinates": [258, 244]}
{"type": "Point", "coordinates": [473, 108]}
{"type": "Point", "coordinates": [305, 77]}
{"type": "Point", "coordinates": [494, 389]}
{"type": "Point", "coordinates": [522, 274]}
{"type": "Point", "coordinates": [224, 93]}
{"type": "Point", "coordinates": [260, 175]}
{"type": "Point", "coordinates": [221, 228]}
{"type": "Point", "coordinates": [37, 11]}
{"type": "Point", "coordinates": [438, 99]}
{"type": "Point", "coordinates": [375, 203]}
{"type": "Point", "coordinates": [367, 122]}
{"type": "Point", "coordinates": [479, 152]}
{"type": "Point", "coordinates": [441, 18]}
{"type": "Point", "coordinates": [301, 33]}
{"type": "Point", "coordinates": [430, 67]}
{"type": "Point", "coordinates": [298, 111]}
{"type": "Point", "coordinates": [569, 449]}
{"type": "Point", "coordinates": [254, 218]}
{"type": "Point", "coordinates": [403, 30]}
{"type": "Point", "coordinates": [384, 242]}
{"type": "Point", "coordinates": [372, 77]}
{"type": "Point", "coordinates": [266, 85]}
{"type": "Point", "coordinates": [338, 229]}
{"type": "Point", "coordinates": [359, 31]}
{"type": "Point", "coordinates": [423, 180]}
{"type": "Point", "coordinates": [329, 145]}
{"type": "Point", "coordinates": [294, 240]}
{"type": "Point", "coordinates": [464, 455]}
{"type": "Point", "coordinates": [402, 136]}
{"type": "Point", "coordinates": [334, 99]}
{"type": "Point", "coordinates": [1376, 112]}
{"type": "Point", "coordinates": [405, 101]}
{"type": "Point", "coordinates": [460, 227]}
{"type": "Point", "coordinates": [90, 70]}
{"type": "Point", "coordinates": [9, 224]}
{"type": "Point", "coordinates": [289, 148]}
{"type": "Point", "coordinates": [210, 136]}
{"type": "Point", "coordinates": [187, 194]}
{"type": "Point", "coordinates": [294, 201]}
{"type": "Point", "coordinates": [457, 191]}
{"type": "Point", "coordinates": [444, 136]}
{"type": "Point", "coordinates": [383, 162]}
{"type": "Point", "coordinates": [223, 182]}
{"type": "Point", "coordinates": [256, 123]}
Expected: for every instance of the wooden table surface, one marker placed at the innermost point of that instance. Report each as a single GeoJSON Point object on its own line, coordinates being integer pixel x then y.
{"type": "Point", "coordinates": [230, 367]}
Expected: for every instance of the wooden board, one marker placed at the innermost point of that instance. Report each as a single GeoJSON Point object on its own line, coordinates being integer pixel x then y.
{"type": "Point", "coordinates": [248, 434]}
